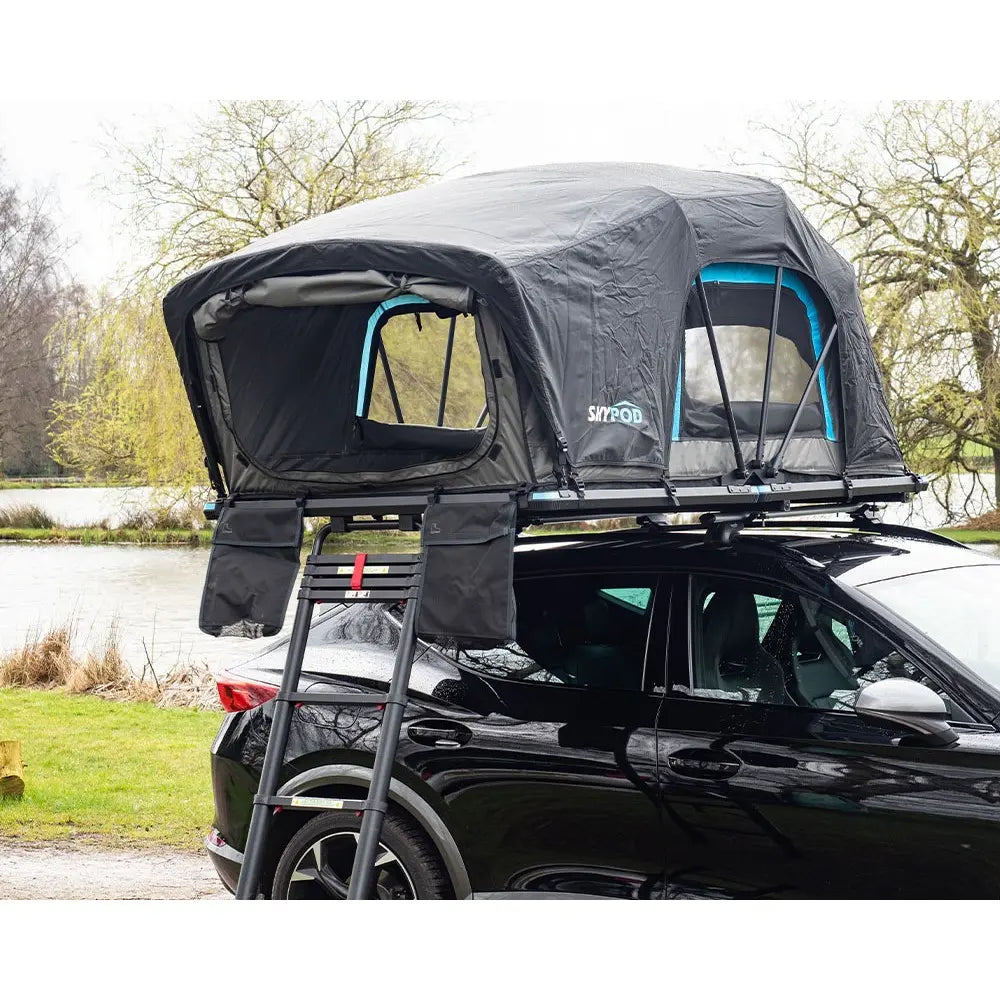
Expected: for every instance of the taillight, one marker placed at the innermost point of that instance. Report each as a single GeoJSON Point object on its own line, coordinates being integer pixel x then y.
{"type": "Point", "coordinates": [238, 695]}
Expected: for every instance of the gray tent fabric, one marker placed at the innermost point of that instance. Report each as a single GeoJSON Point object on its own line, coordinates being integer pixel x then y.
{"type": "Point", "coordinates": [586, 271]}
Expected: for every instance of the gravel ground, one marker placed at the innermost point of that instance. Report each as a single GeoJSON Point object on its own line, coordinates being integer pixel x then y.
{"type": "Point", "coordinates": [82, 871]}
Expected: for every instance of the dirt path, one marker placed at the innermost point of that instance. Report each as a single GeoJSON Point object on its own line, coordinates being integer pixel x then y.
{"type": "Point", "coordinates": [83, 871]}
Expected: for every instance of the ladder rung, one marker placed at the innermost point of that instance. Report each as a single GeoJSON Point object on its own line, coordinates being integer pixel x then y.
{"type": "Point", "coordinates": [411, 559]}
{"type": "Point", "coordinates": [345, 595]}
{"type": "Point", "coordinates": [332, 698]}
{"type": "Point", "coordinates": [314, 802]}
{"type": "Point", "coordinates": [380, 574]}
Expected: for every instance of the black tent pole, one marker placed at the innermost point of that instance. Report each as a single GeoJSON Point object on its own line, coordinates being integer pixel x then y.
{"type": "Point", "coordinates": [389, 382]}
{"type": "Point", "coordinates": [447, 371]}
{"type": "Point", "coordinates": [768, 365]}
{"type": "Point", "coordinates": [774, 466]}
{"type": "Point", "coordinates": [482, 416]}
{"type": "Point", "coordinates": [741, 469]}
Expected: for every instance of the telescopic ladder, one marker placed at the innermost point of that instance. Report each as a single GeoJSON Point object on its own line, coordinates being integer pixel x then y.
{"type": "Point", "coordinates": [340, 579]}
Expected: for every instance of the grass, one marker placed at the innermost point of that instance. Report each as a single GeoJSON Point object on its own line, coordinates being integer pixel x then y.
{"type": "Point", "coordinates": [360, 541]}
{"type": "Point", "coordinates": [53, 484]}
{"type": "Point", "coordinates": [970, 536]}
{"type": "Point", "coordinates": [107, 536]}
{"type": "Point", "coordinates": [129, 773]}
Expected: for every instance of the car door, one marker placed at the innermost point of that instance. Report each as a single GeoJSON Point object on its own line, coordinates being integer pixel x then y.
{"type": "Point", "coordinates": [555, 792]}
{"type": "Point", "coordinates": [772, 786]}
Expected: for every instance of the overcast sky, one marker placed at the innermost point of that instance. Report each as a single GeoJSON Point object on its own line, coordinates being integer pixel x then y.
{"type": "Point", "coordinates": [58, 147]}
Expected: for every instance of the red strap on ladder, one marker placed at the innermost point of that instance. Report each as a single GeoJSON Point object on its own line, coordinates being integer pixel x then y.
{"type": "Point", "coordinates": [359, 569]}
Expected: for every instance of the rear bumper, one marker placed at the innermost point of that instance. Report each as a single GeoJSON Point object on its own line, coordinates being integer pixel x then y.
{"type": "Point", "coordinates": [227, 860]}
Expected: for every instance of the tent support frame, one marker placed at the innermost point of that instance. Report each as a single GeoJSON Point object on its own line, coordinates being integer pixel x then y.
{"type": "Point", "coordinates": [774, 465]}
{"type": "Point", "coordinates": [446, 371]}
{"type": "Point", "coordinates": [741, 469]}
{"type": "Point", "coordinates": [765, 396]}
{"type": "Point", "coordinates": [390, 381]}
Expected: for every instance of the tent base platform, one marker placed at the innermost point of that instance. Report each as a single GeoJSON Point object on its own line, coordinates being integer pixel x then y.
{"type": "Point", "coordinates": [593, 503]}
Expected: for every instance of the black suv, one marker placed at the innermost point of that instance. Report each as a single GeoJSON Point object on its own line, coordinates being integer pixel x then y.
{"type": "Point", "coordinates": [807, 713]}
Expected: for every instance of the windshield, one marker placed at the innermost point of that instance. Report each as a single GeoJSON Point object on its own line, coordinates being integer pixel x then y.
{"type": "Point", "coordinates": [956, 607]}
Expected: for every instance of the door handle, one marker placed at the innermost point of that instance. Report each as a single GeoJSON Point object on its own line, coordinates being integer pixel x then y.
{"type": "Point", "coordinates": [703, 762]}
{"type": "Point", "coordinates": [439, 733]}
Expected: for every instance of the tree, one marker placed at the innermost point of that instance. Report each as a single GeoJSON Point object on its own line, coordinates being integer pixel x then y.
{"type": "Point", "coordinates": [123, 414]}
{"type": "Point", "coordinates": [31, 289]}
{"type": "Point", "coordinates": [913, 197]}
{"type": "Point", "coordinates": [252, 168]}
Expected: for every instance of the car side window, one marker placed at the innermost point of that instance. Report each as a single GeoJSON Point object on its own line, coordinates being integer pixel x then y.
{"type": "Point", "coordinates": [584, 631]}
{"type": "Point", "coordinates": [751, 641]}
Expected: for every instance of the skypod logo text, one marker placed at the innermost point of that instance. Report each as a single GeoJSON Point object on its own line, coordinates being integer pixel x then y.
{"type": "Point", "coordinates": [618, 413]}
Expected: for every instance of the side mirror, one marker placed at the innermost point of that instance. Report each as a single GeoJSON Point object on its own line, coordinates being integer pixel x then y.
{"type": "Point", "coordinates": [909, 704]}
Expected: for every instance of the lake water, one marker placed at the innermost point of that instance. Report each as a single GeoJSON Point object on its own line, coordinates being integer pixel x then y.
{"type": "Point", "coordinates": [151, 594]}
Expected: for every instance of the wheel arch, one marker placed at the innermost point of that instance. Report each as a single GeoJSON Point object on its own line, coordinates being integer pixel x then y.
{"type": "Point", "coordinates": [403, 796]}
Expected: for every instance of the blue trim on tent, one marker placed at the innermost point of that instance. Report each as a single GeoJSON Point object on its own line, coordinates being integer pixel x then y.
{"type": "Point", "coordinates": [763, 274]}
{"type": "Point", "coordinates": [675, 435]}
{"type": "Point", "coordinates": [380, 310]}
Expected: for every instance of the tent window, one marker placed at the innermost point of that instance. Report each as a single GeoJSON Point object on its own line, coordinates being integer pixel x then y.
{"type": "Point", "coordinates": [743, 351]}
{"type": "Point", "coordinates": [422, 367]}
{"type": "Point", "coordinates": [741, 303]}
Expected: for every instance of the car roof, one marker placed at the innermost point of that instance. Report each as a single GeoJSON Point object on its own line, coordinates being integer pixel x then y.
{"type": "Point", "coordinates": [854, 557]}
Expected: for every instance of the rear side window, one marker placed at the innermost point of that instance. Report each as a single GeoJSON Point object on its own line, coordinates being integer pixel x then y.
{"type": "Point", "coordinates": [581, 631]}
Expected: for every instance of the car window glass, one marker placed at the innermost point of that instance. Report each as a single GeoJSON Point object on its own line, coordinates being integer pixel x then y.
{"type": "Point", "coordinates": [583, 631]}
{"type": "Point", "coordinates": [754, 642]}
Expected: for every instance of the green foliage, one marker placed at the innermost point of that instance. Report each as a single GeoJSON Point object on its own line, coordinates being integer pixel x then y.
{"type": "Point", "coordinates": [123, 415]}
{"type": "Point", "coordinates": [123, 771]}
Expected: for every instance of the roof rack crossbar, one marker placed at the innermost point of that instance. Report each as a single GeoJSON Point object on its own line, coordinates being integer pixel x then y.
{"type": "Point", "coordinates": [765, 395]}
{"type": "Point", "coordinates": [774, 465]}
{"type": "Point", "coordinates": [446, 371]}
{"type": "Point", "coordinates": [856, 510]}
{"type": "Point", "coordinates": [726, 404]}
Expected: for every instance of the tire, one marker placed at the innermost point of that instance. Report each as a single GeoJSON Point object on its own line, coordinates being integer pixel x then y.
{"type": "Point", "coordinates": [321, 853]}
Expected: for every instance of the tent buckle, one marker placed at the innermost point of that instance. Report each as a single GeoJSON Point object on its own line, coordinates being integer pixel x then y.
{"type": "Point", "coordinates": [670, 491]}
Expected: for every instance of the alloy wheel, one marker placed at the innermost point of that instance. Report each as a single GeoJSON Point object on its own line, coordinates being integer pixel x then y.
{"type": "Point", "coordinates": [324, 870]}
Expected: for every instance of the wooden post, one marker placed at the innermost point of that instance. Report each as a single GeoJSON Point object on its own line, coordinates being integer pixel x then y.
{"type": "Point", "coordinates": [11, 769]}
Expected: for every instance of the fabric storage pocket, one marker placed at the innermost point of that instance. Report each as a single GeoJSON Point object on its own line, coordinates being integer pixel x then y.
{"type": "Point", "coordinates": [468, 584]}
{"type": "Point", "coordinates": [252, 569]}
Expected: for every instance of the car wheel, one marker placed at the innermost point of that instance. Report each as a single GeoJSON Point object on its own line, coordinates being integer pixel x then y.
{"type": "Point", "coordinates": [317, 862]}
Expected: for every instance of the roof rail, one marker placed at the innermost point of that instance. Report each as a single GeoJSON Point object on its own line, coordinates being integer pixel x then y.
{"type": "Point", "coordinates": [722, 528]}
{"type": "Point", "coordinates": [863, 517]}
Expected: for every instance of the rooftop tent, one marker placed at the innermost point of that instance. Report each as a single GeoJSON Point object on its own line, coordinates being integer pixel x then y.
{"type": "Point", "coordinates": [599, 324]}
